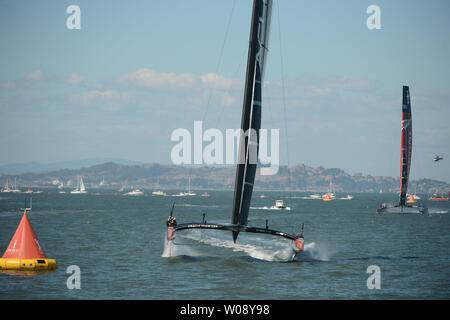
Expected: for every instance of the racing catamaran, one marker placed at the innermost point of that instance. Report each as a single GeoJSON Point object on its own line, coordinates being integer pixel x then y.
{"type": "Point", "coordinates": [406, 151]}
{"type": "Point", "coordinates": [249, 139]}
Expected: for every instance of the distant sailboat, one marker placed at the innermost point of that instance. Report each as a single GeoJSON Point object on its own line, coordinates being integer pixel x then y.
{"type": "Point", "coordinates": [159, 192]}
{"type": "Point", "coordinates": [6, 189]}
{"type": "Point", "coordinates": [330, 194]}
{"type": "Point", "coordinates": [406, 151]}
{"type": "Point", "coordinates": [248, 142]}
{"type": "Point", "coordinates": [15, 190]}
{"type": "Point", "coordinates": [80, 187]}
{"type": "Point", "coordinates": [188, 193]}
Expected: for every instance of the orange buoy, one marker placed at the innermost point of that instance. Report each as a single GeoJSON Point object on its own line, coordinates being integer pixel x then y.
{"type": "Point", "coordinates": [327, 197]}
{"type": "Point", "coordinates": [24, 251]}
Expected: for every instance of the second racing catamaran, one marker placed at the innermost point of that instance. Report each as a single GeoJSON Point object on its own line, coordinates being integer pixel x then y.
{"type": "Point", "coordinates": [248, 141]}
{"type": "Point", "coordinates": [405, 164]}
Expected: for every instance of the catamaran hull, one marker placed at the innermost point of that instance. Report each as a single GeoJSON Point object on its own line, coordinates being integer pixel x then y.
{"type": "Point", "coordinates": [298, 240]}
{"type": "Point", "coordinates": [402, 209]}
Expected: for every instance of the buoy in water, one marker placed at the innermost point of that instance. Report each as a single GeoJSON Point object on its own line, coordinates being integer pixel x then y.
{"type": "Point", "coordinates": [411, 199]}
{"type": "Point", "coordinates": [24, 251]}
{"type": "Point", "coordinates": [327, 197]}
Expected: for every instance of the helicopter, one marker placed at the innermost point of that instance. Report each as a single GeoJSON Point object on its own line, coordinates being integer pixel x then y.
{"type": "Point", "coordinates": [437, 158]}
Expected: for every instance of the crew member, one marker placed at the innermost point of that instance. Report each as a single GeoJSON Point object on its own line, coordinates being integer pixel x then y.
{"type": "Point", "coordinates": [171, 221]}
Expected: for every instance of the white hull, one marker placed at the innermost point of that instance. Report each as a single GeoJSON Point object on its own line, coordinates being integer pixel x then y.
{"type": "Point", "coordinates": [80, 188]}
{"type": "Point", "coordinates": [185, 194]}
{"type": "Point", "coordinates": [136, 192]}
{"type": "Point", "coordinates": [279, 205]}
{"type": "Point", "coordinates": [78, 192]}
{"type": "Point", "coordinates": [279, 208]}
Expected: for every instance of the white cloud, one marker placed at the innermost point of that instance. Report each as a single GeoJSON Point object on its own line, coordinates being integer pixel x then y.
{"type": "Point", "coordinates": [148, 78]}
{"type": "Point", "coordinates": [8, 85]}
{"type": "Point", "coordinates": [74, 79]}
{"type": "Point", "coordinates": [36, 75]}
{"type": "Point", "coordinates": [152, 79]}
{"type": "Point", "coordinates": [216, 81]}
{"type": "Point", "coordinates": [108, 100]}
{"type": "Point", "coordinates": [227, 100]}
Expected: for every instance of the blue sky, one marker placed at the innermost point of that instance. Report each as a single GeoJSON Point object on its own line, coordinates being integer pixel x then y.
{"type": "Point", "coordinates": [138, 70]}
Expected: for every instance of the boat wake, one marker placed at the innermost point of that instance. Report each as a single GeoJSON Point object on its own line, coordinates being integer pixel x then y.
{"type": "Point", "coordinates": [197, 205]}
{"type": "Point", "coordinates": [314, 252]}
{"type": "Point", "coordinates": [272, 250]}
{"type": "Point", "coordinates": [434, 211]}
{"type": "Point", "coordinates": [270, 208]}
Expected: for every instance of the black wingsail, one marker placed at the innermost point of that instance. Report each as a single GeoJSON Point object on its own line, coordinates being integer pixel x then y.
{"type": "Point", "coordinates": [251, 113]}
{"type": "Point", "coordinates": [248, 141]}
{"type": "Point", "coordinates": [405, 163]}
{"type": "Point", "coordinates": [406, 145]}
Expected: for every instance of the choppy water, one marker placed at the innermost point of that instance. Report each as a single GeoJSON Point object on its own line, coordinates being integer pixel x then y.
{"type": "Point", "coordinates": [118, 242]}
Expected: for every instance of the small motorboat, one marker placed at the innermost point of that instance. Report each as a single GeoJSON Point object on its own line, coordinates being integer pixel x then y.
{"type": "Point", "coordinates": [279, 205]}
{"type": "Point", "coordinates": [159, 193]}
{"type": "Point", "coordinates": [135, 192]}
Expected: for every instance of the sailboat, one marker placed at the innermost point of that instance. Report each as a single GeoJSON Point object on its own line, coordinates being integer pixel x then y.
{"type": "Point", "coordinates": [80, 187]}
{"type": "Point", "coordinates": [15, 190]}
{"type": "Point", "coordinates": [406, 151]}
{"type": "Point", "coordinates": [188, 193]}
{"type": "Point", "coordinates": [248, 141]}
{"type": "Point", "coordinates": [6, 189]}
{"type": "Point", "coordinates": [159, 192]}
{"type": "Point", "coordinates": [330, 193]}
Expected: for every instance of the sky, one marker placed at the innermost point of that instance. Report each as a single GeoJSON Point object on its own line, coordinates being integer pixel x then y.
{"type": "Point", "coordinates": [136, 71]}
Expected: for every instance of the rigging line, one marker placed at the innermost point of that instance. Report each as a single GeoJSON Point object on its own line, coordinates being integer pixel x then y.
{"type": "Point", "coordinates": [229, 89]}
{"type": "Point", "coordinates": [282, 85]}
{"type": "Point", "coordinates": [220, 58]}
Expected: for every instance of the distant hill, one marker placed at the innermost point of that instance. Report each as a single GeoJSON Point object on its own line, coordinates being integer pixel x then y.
{"type": "Point", "coordinates": [28, 167]}
{"type": "Point", "coordinates": [299, 177]}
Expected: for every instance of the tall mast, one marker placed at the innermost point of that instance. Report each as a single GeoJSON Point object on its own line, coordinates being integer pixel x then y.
{"type": "Point", "coordinates": [251, 113]}
{"type": "Point", "coordinates": [406, 145]}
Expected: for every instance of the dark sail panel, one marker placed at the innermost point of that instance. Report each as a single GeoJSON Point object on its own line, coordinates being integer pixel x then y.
{"type": "Point", "coordinates": [251, 114]}
{"type": "Point", "coordinates": [406, 145]}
